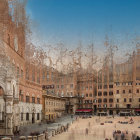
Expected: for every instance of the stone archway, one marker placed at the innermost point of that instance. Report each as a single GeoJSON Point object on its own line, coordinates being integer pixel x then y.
{"type": "Point", "coordinates": [3, 119]}
{"type": "Point", "coordinates": [33, 115]}
{"type": "Point", "coordinates": [2, 105]}
{"type": "Point", "coordinates": [7, 100]}
{"type": "Point", "coordinates": [13, 91]}
{"type": "Point", "coordinates": [1, 91]}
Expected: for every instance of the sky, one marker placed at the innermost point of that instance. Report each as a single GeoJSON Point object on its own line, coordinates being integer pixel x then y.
{"type": "Point", "coordinates": [88, 21]}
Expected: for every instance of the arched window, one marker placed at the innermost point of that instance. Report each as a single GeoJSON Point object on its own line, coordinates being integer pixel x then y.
{"type": "Point", "coordinates": [8, 39]}
{"type": "Point", "coordinates": [22, 116]}
{"type": "Point", "coordinates": [27, 116]}
{"type": "Point", "coordinates": [105, 100]}
{"type": "Point", "coordinates": [27, 73]}
{"type": "Point", "coordinates": [38, 76]}
{"type": "Point", "coordinates": [1, 91]}
{"type": "Point", "coordinates": [99, 100]}
{"type": "Point", "coordinates": [13, 91]}
{"type": "Point", "coordinates": [38, 116]}
{"type": "Point", "coordinates": [33, 75]}
{"type": "Point", "coordinates": [110, 100]}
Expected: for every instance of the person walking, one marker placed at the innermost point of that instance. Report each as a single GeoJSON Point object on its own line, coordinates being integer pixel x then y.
{"type": "Point", "coordinates": [46, 135]}
{"type": "Point", "coordinates": [86, 131]}
{"type": "Point", "coordinates": [89, 124]}
{"type": "Point", "coordinates": [122, 136]}
{"type": "Point", "coordinates": [113, 134]}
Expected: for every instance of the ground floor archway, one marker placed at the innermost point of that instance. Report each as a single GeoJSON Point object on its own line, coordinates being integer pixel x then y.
{"type": "Point", "coordinates": [2, 105]}
{"type": "Point", "coordinates": [33, 117]}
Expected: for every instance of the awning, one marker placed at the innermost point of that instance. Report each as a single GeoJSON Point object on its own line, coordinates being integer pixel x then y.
{"type": "Point", "coordinates": [124, 112]}
{"type": "Point", "coordinates": [102, 112]}
{"type": "Point", "coordinates": [79, 110]}
{"type": "Point", "coordinates": [87, 110]}
{"type": "Point", "coordinates": [83, 110]}
{"type": "Point", "coordinates": [137, 110]}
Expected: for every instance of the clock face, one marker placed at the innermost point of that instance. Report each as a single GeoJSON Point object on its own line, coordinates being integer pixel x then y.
{"type": "Point", "coordinates": [16, 43]}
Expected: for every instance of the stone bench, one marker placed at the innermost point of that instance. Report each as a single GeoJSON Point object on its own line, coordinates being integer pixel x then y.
{"type": "Point", "coordinates": [6, 138]}
{"type": "Point", "coordinates": [54, 133]}
{"type": "Point", "coordinates": [22, 138]}
{"type": "Point", "coordinates": [41, 137]}
{"type": "Point", "coordinates": [34, 137]}
{"type": "Point", "coordinates": [29, 138]}
{"type": "Point", "coordinates": [46, 135]}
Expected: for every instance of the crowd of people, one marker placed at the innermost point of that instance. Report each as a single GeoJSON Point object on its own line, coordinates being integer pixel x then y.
{"type": "Point", "coordinates": [127, 122]}
{"type": "Point", "coordinates": [124, 135]}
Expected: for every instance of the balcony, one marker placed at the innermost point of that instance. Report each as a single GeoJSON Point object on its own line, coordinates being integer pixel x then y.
{"type": "Point", "coordinates": [58, 109]}
{"type": "Point", "coordinates": [69, 103]}
{"type": "Point", "coordinates": [79, 102]}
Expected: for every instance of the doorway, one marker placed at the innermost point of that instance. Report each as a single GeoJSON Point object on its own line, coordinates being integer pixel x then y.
{"type": "Point", "coordinates": [95, 109]}
{"type": "Point", "coordinates": [128, 105]}
{"type": "Point", "coordinates": [33, 117]}
{"type": "Point", "coordinates": [117, 112]}
{"type": "Point", "coordinates": [110, 112]}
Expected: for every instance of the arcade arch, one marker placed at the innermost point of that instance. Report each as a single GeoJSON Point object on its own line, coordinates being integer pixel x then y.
{"type": "Point", "coordinates": [2, 104]}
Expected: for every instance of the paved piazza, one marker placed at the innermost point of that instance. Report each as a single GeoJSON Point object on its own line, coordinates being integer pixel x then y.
{"type": "Point", "coordinates": [26, 130]}
{"type": "Point", "coordinates": [96, 131]}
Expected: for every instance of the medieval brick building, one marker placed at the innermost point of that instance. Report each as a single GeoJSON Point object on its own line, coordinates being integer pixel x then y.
{"type": "Point", "coordinates": [118, 87]}
{"type": "Point", "coordinates": [21, 91]}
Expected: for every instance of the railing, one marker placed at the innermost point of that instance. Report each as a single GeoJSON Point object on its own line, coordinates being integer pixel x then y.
{"type": "Point", "coordinates": [59, 109]}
